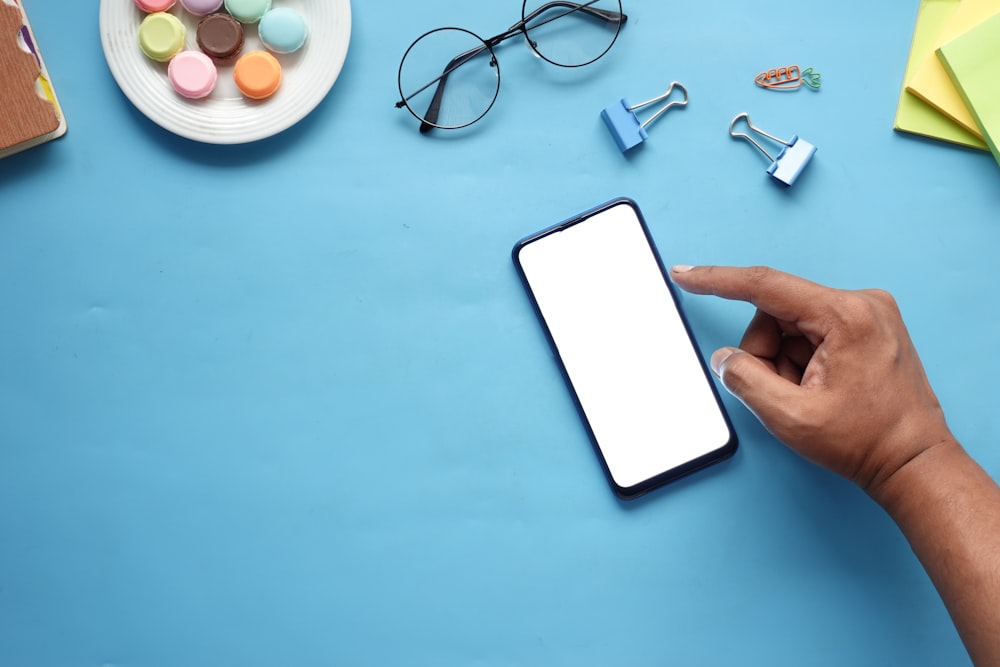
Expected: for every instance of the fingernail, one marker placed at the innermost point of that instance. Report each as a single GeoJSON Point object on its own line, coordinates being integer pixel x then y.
{"type": "Point", "coordinates": [719, 357]}
{"type": "Point", "coordinates": [681, 268]}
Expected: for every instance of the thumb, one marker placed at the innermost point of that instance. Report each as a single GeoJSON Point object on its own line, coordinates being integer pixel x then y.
{"type": "Point", "coordinates": [768, 395]}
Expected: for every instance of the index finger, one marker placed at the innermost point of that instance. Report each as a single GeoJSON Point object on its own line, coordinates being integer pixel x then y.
{"type": "Point", "coordinates": [780, 294]}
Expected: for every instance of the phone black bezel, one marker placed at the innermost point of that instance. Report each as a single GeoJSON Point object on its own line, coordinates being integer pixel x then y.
{"type": "Point", "coordinates": [722, 453]}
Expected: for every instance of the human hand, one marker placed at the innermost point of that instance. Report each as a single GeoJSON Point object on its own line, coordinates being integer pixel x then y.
{"type": "Point", "coordinates": [831, 373]}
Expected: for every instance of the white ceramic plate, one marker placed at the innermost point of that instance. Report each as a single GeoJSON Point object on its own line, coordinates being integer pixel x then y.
{"type": "Point", "coordinates": [225, 116]}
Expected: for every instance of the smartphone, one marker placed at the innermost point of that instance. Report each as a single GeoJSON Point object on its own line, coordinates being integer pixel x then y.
{"type": "Point", "coordinates": [626, 351]}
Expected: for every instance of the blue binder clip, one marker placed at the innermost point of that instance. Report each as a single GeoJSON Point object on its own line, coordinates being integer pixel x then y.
{"type": "Point", "coordinates": [624, 125]}
{"type": "Point", "coordinates": [791, 161]}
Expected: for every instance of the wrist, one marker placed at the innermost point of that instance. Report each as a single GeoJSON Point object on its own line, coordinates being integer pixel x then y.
{"type": "Point", "coordinates": [919, 479]}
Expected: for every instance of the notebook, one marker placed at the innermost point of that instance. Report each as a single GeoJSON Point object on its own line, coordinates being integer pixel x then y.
{"type": "Point", "coordinates": [913, 115]}
{"type": "Point", "coordinates": [973, 63]}
{"type": "Point", "coordinates": [931, 82]}
{"type": "Point", "coordinates": [29, 112]}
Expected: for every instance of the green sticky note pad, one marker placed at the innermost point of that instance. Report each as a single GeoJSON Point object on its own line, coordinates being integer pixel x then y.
{"type": "Point", "coordinates": [913, 115]}
{"type": "Point", "coordinates": [973, 63]}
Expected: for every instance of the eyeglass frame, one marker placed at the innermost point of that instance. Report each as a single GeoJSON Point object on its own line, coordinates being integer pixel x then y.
{"type": "Point", "coordinates": [521, 27]}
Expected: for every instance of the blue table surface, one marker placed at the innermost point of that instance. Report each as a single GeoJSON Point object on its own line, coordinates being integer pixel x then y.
{"type": "Point", "coordinates": [286, 403]}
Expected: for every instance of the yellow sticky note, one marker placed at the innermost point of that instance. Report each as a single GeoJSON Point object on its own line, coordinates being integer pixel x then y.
{"type": "Point", "coordinates": [973, 63]}
{"type": "Point", "coordinates": [913, 115]}
{"type": "Point", "coordinates": [931, 82]}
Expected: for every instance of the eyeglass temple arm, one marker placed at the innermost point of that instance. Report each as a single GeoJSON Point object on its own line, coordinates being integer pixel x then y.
{"type": "Point", "coordinates": [604, 14]}
{"type": "Point", "coordinates": [434, 109]}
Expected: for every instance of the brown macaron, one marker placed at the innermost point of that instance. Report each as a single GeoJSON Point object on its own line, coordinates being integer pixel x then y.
{"type": "Point", "coordinates": [220, 36]}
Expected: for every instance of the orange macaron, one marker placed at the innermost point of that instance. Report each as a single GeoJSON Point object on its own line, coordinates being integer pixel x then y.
{"type": "Point", "coordinates": [257, 74]}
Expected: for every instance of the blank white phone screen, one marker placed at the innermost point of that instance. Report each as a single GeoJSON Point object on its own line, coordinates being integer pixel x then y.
{"type": "Point", "coordinates": [615, 325]}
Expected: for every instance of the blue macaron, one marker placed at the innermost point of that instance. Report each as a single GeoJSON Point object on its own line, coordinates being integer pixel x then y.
{"type": "Point", "coordinates": [283, 30]}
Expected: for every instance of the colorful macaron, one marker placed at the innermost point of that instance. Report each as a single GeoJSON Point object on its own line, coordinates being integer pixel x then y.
{"type": "Point", "coordinates": [257, 74]}
{"type": "Point", "coordinates": [161, 36]}
{"type": "Point", "coordinates": [248, 11]}
{"type": "Point", "coordinates": [201, 7]}
{"type": "Point", "coordinates": [192, 74]}
{"type": "Point", "coordinates": [220, 36]}
{"type": "Point", "coordinates": [283, 30]}
{"type": "Point", "coordinates": [152, 6]}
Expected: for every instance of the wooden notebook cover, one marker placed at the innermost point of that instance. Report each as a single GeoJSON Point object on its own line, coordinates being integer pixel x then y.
{"type": "Point", "coordinates": [24, 114]}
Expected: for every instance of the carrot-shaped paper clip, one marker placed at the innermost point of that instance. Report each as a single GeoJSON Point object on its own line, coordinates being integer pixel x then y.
{"type": "Point", "coordinates": [788, 78]}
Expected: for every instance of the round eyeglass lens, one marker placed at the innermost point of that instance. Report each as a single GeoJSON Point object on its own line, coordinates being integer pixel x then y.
{"type": "Point", "coordinates": [572, 34]}
{"type": "Point", "coordinates": [449, 78]}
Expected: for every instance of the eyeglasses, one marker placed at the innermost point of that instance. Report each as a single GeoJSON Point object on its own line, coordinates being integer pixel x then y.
{"type": "Point", "coordinates": [567, 34]}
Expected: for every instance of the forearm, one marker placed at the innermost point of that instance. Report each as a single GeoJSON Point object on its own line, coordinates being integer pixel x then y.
{"type": "Point", "coordinates": [949, 510]}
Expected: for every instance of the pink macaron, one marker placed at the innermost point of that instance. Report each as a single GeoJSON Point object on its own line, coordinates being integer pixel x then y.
{"type": "Point", "coordinates": [153, 6]}
{"type": "Point", "coordinates": [192, 74]}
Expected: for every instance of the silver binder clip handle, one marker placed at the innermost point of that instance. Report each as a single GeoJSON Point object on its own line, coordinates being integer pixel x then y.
{"type": "Point", "coordinates": [665, 107]}
{"type": "Point", "coordinates": [743, 135]}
